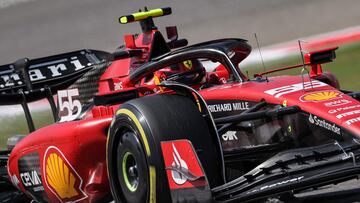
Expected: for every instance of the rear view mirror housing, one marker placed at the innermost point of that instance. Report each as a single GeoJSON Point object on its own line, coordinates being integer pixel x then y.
{"type": "Point", "coordinates": [321, 56]}
{"type": "Point", "coordinates": [316, 58]}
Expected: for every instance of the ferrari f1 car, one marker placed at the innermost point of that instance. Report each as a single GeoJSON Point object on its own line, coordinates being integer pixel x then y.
{"type": "Point", "coordinates": [160, 121]}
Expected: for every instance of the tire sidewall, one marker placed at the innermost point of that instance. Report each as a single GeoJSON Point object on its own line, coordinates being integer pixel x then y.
{"type": "Point", "coordinates": [129, 142]}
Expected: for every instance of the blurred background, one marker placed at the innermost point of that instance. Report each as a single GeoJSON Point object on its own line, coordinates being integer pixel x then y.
{"type": "Point", "coordinates": [37, 28]}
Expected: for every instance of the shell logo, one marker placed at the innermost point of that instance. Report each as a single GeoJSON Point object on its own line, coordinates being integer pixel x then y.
{"type": "Point", "coordinates": [61, 178]}
{"type": "Point", "coordinates": [321, 96]}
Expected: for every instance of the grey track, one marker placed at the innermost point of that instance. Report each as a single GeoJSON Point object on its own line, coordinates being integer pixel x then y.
{"type": "Point", "coordinates": [44, 27]}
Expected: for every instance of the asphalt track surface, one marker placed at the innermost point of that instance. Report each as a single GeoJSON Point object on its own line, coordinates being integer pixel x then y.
{"type": "Point", "coordinates": [36, 28]}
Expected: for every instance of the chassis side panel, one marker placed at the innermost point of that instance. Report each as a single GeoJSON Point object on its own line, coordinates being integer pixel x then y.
{"type": "Point", "coordinates": [68, 165]}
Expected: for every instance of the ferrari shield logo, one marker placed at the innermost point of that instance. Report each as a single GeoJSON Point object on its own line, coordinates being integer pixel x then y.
{"type": "Point", "coordinates": [188, 64]}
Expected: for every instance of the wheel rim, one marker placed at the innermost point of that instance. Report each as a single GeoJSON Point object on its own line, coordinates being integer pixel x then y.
{"type": "Point", "coordinates": [130, 172]}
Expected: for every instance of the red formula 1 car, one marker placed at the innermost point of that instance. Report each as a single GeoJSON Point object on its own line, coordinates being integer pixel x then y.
{"type": "Point", "coordinates": [160, 121]}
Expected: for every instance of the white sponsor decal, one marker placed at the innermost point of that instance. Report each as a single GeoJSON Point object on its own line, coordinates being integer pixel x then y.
{"type": "Point", "coordinates": [231, 54]}
{"type": "Point", "coordinates": [118, 86]}
{"type": "Point", "coordinates": [30, 178]}
{"type": "Point", "coordinates": [39, 72]}
{"type": "Point", "coordinates": [332, 111]}
{"type": "Point", "coordinates": [324, 124]}
{"type": "Point", "coordinates": [39, 188]}
{"type": "Point", "coordinates": [219, 107]}
{"type": "Point", "coordinates": [229, 135]}
{"type": "Point", "coordinates": [350, 113]}
{"type": "Point", "coordinates": [178, 163]}
{"type": "Point", "coordinates": [339, 102]}
{"type": "Point", "coordinates": [352, 121]}
{"type": "Point", "coordinates": [277, 184]}
{"type": "Point", "coordinates": [67, 105]}
{"type": "Point", "coordinates": [278, 92]}
{"type": "Point", "coordinates": [228, 107]}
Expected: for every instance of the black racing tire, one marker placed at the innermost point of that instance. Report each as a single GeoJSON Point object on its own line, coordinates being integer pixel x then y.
{"type": "Point", "coordinates": [139, 127]}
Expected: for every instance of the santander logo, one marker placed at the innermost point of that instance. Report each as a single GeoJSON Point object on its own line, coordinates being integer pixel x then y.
{"type": "Point", "coordinates": [180, 164]}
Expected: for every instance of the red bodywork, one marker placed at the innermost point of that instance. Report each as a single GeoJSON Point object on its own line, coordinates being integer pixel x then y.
{"type": "Point", "coordinates": [70, 158]}
{"type": "Point", "coordinates": [81, 144]}
{"type": "Point", "coordinates": [288, 90]}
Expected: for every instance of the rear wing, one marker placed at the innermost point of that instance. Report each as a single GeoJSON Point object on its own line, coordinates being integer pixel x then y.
{"type": "Point", "coordinates": [29, 80]}
{"type": "Point", "coordinates": [32, 78]}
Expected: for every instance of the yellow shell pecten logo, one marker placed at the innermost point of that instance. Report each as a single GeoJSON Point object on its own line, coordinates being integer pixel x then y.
{"type": "Point", "coordinates": [61, 178]}
{"type": "Point", "coordinates": [321, 96]}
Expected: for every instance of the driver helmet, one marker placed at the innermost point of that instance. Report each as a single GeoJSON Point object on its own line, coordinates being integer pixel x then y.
{"type": "Point", "coordinates": [196, 70]}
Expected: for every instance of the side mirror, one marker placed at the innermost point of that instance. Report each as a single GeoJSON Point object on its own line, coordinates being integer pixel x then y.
{"type": "Point", "coordinates": [322, 56]}
{"type": "Point", "coordinates": [172, 35]}
{"type": "Point", "coordinates": [316, 58]}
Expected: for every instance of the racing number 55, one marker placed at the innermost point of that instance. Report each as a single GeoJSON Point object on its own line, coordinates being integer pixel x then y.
{"type": "Point", "coordinates": [67, 105]}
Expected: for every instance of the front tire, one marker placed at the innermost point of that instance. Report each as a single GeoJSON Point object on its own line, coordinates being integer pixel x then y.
{"type": "Point", "coordinates": [131, 161]}
{"type": "Point", "coordinates": [135, 136]}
